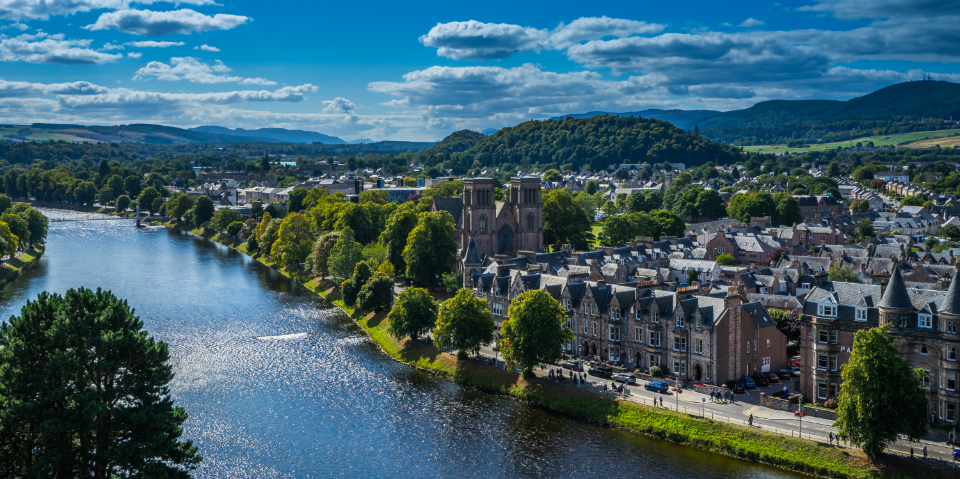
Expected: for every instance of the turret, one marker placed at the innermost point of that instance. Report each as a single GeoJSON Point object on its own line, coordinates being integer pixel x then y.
{"type": "Point", "coordinates": [471, 264]}
{"type": "Point", "coordinates": [895, 305]}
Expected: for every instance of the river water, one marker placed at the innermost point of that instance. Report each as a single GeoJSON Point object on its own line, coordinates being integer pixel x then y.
{"type": "Point", "coordinates": [279, 384]}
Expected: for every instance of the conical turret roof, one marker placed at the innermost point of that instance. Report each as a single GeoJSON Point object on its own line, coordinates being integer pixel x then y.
{"type": "Point", "coordinates": [895, 296]}
{"type": "Point", "coordinates": [472, 256]}
{"type": "Point", "coordinates": [951, 303]}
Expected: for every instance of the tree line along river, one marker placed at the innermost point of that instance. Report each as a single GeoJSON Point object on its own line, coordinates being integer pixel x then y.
{"type": "Point", "coordinates": [280, 384]}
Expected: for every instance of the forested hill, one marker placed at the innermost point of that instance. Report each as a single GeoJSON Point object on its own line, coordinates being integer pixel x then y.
{"type": "Point", "coordinates": [454, 143]}
{"type": "Point", "coordinates": [592, 143]}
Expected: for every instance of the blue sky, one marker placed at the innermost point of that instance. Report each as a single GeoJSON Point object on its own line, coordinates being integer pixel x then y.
{"type": "Point", "coordinates": [419, 71]}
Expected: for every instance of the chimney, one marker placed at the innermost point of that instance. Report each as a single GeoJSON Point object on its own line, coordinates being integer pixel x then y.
{"type": "Point", "coordinates": [595, 274]}
{"type": "Point", "coordinates": [733, 298]}
{"type": "Point", "coordinates": [567, 248]}
{"type": "Point", "coordinates": [601, 284]}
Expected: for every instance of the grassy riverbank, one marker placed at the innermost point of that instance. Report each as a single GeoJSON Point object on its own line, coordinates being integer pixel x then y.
{"type": "Point", "coordinates": [790, 453]}
{"type": "Point", "coordinates": [14, 266]}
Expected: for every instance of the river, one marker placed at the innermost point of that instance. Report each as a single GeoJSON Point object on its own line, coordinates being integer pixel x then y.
{"type": "Point", "coordinates": [279, 384]}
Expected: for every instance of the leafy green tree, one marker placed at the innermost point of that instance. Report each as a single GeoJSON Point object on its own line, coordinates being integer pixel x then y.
{"type": "Point", "coordinates": [463, 323]}
{"type": "Point", "coordinates": [414, 314]}
{"type": "Point", "coordinates": [431, 248]}
{"type": "Point", "coordinates": [147, 197]}
{"type": "Point", "coordinates": [122, 203]}
{"type": "Point", "coordinates": [787, 211]}
{"type": "Point", "coordinates": [948, 231]}
{"type": "Point", "coordinates": [115, 182]}
{"type": "Point", "coordinates": [591, 187]}
{"type": "Point", "coordinates": [842, 274]}
{"type": "Point", "coordinates": [202, 210]}
{"type": "Point", "coordinates": [85, 393]}
{"type": "Point", "coordinates": [344, 255]}
{"type": "Point", "coordinates": [726, 259]}
{"type": "Point", "coordinates": [321, 252]}
{"type": "Point", "coordinates": [587, 203]}
{"type": "Point", "coordinates": [8, 240]}
{"type": "Point", "coordinates": [693, 276]}
{"type": "Point", "coordinates": [618, 230]}
{"type": "Point", "coordinates": [295, 200]}
{"type": "Point", "coordinates": [710, 205]}
{"type": "Point", "coordinates": [157, 205]}
{"type": "Point", "coordinates": [223, 217]}
{"type": "Point", "coordinates": [865, 229]}
{"type": "Point", "coordinates": [234, 228]}
{"type": "Point", "coordinates": [833, 169]}
{"type": "Point", "coordinates": [931, 241]}
{"type": "Point", "coordinates": [396, 231]}
{"type": "Point", "coordinates": [745, 206]}
{"type": "Point", "coordinates": [85, 192]}
{"type": "Point", "coordinates": [294, 240]}
{"type": "Point", "coordinates": [269, 236]}
{"type": "Point", "coordinates": [564, 222]}
{"type": "Point", "coordinates": [106, 195]}
{"type": "Point", "coordinates": [637, 203]}
{"type": "Point", "coordinates": [552, 175]}
{"type": "Point", "coordinates": [535, 333]}
{"type": "Point", "coordinates": [882, 396]}
{"type": "Point", "coordinates": [19, 227]}
{"type": "Point", "coordinates": [671, 224]}
{"type": "Point", "coordinates": [37, 222]}
{"type": "Point", "coordinates": [376, 293]}
{"type": "Point", "coordinates": [351, 288]}
{"type": "Point", "coordinates": [275, 210]}
{"type": "Point", "coordinates": [133, 185]}
{"type": "Point", "coordinates": [912, 200]}
{"type": "Point", "coordinates": [177, 205]}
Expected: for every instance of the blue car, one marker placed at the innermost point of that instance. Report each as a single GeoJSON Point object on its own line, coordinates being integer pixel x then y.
{"type": "Point", "coordinates": [657, 386]}
{"type": "Point", "coordinates": [749, 382]}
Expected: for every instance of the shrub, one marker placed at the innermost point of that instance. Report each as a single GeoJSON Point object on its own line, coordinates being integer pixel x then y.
{"type": "Point", "coordinates": [656, 371]}
{"type": "Point", "coordinates": [348, 292]}
{"type": "Point", "coordinates": [234, 228]}
{"type": "Point", "coordinates": [252, 243]}
{"type": "Point", "coordinates": [830, 403]}
{"type": "Point", "coordinates": [376, 294]}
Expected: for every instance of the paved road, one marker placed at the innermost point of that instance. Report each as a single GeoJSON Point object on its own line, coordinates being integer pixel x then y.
{"type": "Point", "coordinates": [738, 411]}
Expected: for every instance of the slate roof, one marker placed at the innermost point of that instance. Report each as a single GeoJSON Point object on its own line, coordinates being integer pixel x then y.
{"type": "Point", "coordinates": [454, 206]}
{"type": "Point", "coordinates": [951, 302]}
{"type": "Point", "coordinates": [472, 255]}
{"type": "Point", "coordinates": [896, 296]}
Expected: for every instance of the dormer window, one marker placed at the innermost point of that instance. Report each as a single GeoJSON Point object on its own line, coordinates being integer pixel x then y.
{"type": "Point", "coordinates": [679, 321]}
{"type": "Point", "coordinates": [699, 323]}
{"type": "Point", "coordinates": [653, 317]}
{"type": "Point", "coordinates": [827, 310]}
{"type": "Point", "coordinates": [861, 314]}
{"type": "Point", "coordinates": [615, 313]}
{"type": "Point", "coordinates": [637, 314]}
{"type": "Point", "coordinates": [925, 321]}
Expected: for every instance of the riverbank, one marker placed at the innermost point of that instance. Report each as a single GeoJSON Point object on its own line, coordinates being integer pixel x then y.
{"type": "Point", "coordinates": [14, 266]}
{"type": "Point", "coordinates": [789, 453]}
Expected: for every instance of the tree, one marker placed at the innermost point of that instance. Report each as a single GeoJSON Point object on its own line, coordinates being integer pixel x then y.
{"type": "Point", "coordinates": [269, 236]}
{"type": "Point", "coordinates": [8, 240]}
{"type": "Point", "coordinates": [671, 224]}
{"type": "Point", "coordinates": [788, 323]}
{"type": "Point", "coordinates": [463, 323]}
{"type": "Point", "coordinates": [843, 274]}
{"type": "Point", "coordinates": [859, 206]}
{"type": "Point", "coordinates": [85, 192]}
{"type": "Point", "coordinates": [588, 204]}
{"type": "Point", "coordinates": [86, 393]}
{"type": "Point", "coordinates": [865, 229]}
{"type": "Point", "coordinates": [147, 197]}
{"type": "Point", "coordinates": [709, 204]}
{"type": "Point", "coordinates": [177, 205]}
{"type": "Point", "coordinates": [913, 200]}
{"type": "Point", "coordinates": [376, 293]}
{"type": "Point", "coordinates": [295, 200]}
{"type": "Point", "coordinates": [104, 169]}
{"type": "Point", "coordinates": [123, 202]}
{"type": "Point", "coordinates": [833, 169]}
{"type": "Point", "coordinates": [37, 222]}
{"type": "Point", "coordinates": [350, 288]}
{"type": "Point", "coordinates": [19, 227]}
{"type": "Point", "coordinates": [949, 231]}
{"type": "Point", "coordinates": [344, 255]}
{"type": "Point", "coordinates": [882, 396]}
{"type": "Point", "coordinates": [725, 259]}
{"type": "Point", "coordinates": [535, 333]}
{"type": "Point", "coordinates": [202, 210]}
{"type": "Point", "coordinates": [106, 195]}
{"type": "Point", "coordinates": [223, 217]}
{"type": "Point", "coordinates": [693, 276]}
{"type": "Point", "coordinates": [552, 175]}
{"type": "Point", "coordinates": [234, 228]}
{"type": "Point", "coordinates": [321, 252]}
{"type": "Point", "coordinates": [931, 241]}
{"type": "Point", "coordinates": [564, 221]}
{"type": "Point", "coordinates": [591, 187]}
{"type": "Point", "coordinates": [787, 210]}
{"type": "Point", "coordinates": [133, 185]}
{"type": "Point", "coordinates": [396, 231]}
{"type": "Point", "coordinates": [431, 248]}
{"type": "Point", "coordinates": [414, 314]}
{"type": "Point", "coordinates": [294, 240]}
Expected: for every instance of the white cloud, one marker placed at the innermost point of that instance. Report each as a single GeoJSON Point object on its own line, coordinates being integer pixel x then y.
{"type": "Point", "coordinates": [14, 89]}
{"type": "Point", "coordinates": [154, 44]}
{"type": "Point", "coordinates": [473, 40]}
{"type": "Point", "coordinates": [750, 22]}
{"type": "Point", "coordinates": [195, 71]}
{"type": "Point", "coordinates": [46, 48]}
{"type": "Point", "coordinates": [875, 9]}
{"type": "Point", "coordinates": [257, 81]}
{"type": "Point", "coordinates": [134, 54]}
{"type": "Point", "coordinates": [149, 23]}
{"type": "Point", "coordinates": [207, 48]}
{"type": "Point", "coordinates": [726, 24]}
{"type": "Point", "coordinates": [19, 26]}
{"type": "Point", "coordinates": [43, 9]}
{"type": "Point", "coordinates": [108, 47]}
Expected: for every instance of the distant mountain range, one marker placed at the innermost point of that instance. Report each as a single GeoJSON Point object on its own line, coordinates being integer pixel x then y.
{"type": "Point", "coordinates": [679, 118]}
{"type": "Point", "coordinates": [166, 135]}
{"type": "Point", "coordinates": [281, 134]}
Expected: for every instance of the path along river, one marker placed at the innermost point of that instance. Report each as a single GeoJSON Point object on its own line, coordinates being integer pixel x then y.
{"type": "Point", "coordinates": [279, 384]}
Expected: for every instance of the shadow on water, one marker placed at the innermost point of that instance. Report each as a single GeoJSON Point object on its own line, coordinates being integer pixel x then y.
{"type": "Point", "coordinates": [279, 384]}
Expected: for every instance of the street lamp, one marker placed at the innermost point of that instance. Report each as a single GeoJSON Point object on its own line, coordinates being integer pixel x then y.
{"type": "Point", "coordinates": [703, 412]}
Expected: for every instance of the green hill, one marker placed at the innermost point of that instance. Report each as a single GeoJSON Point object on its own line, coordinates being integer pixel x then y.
{"type": "Point", "coordinates": [592, 143]}
{"type": "Point", "coordinates": [454, 143]}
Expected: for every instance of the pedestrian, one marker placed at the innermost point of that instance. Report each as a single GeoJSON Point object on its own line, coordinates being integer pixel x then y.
{"type": "Point", "coordinates": [750, 421]}
{"type": "Point", "coordinates": [830, 437]}
{"type": "Point", "coordinates": [661, 401]}
{"type": "Point", "coordinates": [924, 453]}
{"type": "Point", "coordinates": [911, 453]}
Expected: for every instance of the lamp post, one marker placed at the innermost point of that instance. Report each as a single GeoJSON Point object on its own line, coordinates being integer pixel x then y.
{"type": "Point", "coordinates": [703, 412]}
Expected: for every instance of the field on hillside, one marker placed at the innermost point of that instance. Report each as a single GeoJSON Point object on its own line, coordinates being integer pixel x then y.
{"type": "Point", "coordinates": [882, 140]}
{"type": "Point", "coordinates": [947, 142]}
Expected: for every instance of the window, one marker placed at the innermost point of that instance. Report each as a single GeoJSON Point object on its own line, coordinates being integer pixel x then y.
{"type": "Point", "coordinates": [615, 313]}
{"type": "Point", "coordinates": [903, 321]}
{"type": "Point", "coordinates": [497, 309]}
{"type": "Point", "coordinates": [594, 329]}
{"type": "Point", "coordinates": [638, 335]}
{"type": "Point", "coordinates": [822, 362]}
{"type": "Point", "coordinates": [951, 353]}
{"type": "Point", "coordinates": [861, 314]}
{"type": "Point", "coordinates": [680, 368]}
{"type": "Point", "coordinates": [768, 344]}
{"type": "Point", "coordinates": [586, 309]}
{"type": "Point", "coordinates": [925, 379]}
{"type": "Point", "coordinates": [951, 411]}
{"type": "Point", "coordinates": [805, 286]}
{"type": "Point", "coordinates": [952, 328]}
{"type": "Point", "coordinates": [766, 364]}
{"type": "Point", "coordinates": [822, 390]}
{"type": "Point", "coordinates": [654, 360]}
{"type": "Point", "coordinates": [584, 327]}
{"type": "Point", "coordinates": [951, 381]}
{"type": "Point", "coordinates": [483, 225]}
{"type": "Point", "coordinates": [923, 349]}
{"type": "Point", "coordinates": [639, 318]}
{"type": "Point", "coordinates": [833, 337]}
{"type": "Point", "coordinates": [614, 333]}
{"type": "Point", "coordinates": [679, 321]}
{"type": "Point", "coordinates": [826, 310]}
{"type": "Point", "coordinates": [530, 221]}
{"type": "Point", "coordinates": [593, 309]}
{"type": "Point", "coordinates": [833, 362]}
{"type": "Point", "coordinates": [721, 250]}
{"type": "Point", "coordinates": [833, 390]}
{"type": "Point", "coordinates": [612, 354]}
{"type": "Point", "coordinates": [748, 347]}
{"type": "Point", "coordinates": [679, 343]}
{"type": "Point", "coordinates": [699, 323]}
{"type": "Point", "coordinates": [925, 321]}
{"type": "Point", "coordinates": [822, 336]}
{"type": "Point", "coordinates": [653, 317]}
{"type": "Point", "coordinates": [801, 235]}
{"type": "Point", "coordinates": [655, 339]}
{"type": "Point", "coordinates": [698, 346]}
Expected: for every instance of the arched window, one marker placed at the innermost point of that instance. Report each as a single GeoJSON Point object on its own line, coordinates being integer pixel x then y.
{"type": "Point", "coordinates": [483, 225]}
{"type": "Point", "coordinates": [530, 226]}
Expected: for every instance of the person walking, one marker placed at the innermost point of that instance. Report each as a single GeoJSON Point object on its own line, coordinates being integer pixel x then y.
{"type": "Point", "coordinates": [750, 421]}
{"type": "Point", "coordinates": [924, 453]}
{"type": "Point", "coordinates": [661, 401]}
{"type": "Point", "coordinates": [830, 437]}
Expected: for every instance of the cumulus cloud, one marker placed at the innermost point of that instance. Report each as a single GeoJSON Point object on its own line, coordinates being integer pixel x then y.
{"type": "Point", "coordinates": [873, 9]}
{"type": "Point", "coordinates": [145, 101]}
{"type": "Point", "coordinates": [188, 68]}
{"type": "Point", "coordinates": [750, 22]}
{"type": "Point", "coordinates": [107, 47]}
{"type": "Point", "coordinates": [19, 26]}
{"type": "Point", "coordinates": [134, 54]}
{"type": "Point", "coordinates": [43, 9]}
{"type": "Point", "coordinates": [207, 48]}
{"type": "Point", "coordinates": [473, 40]}
{"type": "Point", "coordinates": [154, 44]}
{"type": "Point", "coordinates": [46, 48]}
{"type": "Point", "coordinates": [257, 81]}
{"type": "Point", "coordinates": [149, 23]}
{"type": "Point", "coordinates": [15, 89]}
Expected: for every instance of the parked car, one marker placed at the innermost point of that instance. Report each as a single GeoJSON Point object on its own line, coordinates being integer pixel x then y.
{"type": "Point", "coordinates": [761, 380]}
{"type": "Point", "coordinates": [738, 388]}
{"type": "Point", "coordinates": [625, 378]}
{"type": "Point", "coordinates": [773, 377]}
{"type": "Point", "coordinates": [601, 371]}
{"type": "Point", "coordinates": [567, 364]}
{"type": "Point", "coordinates": [657, 386]}
{"type": "Point", "coordinates": [795, 370]}
{"type": "Point", "coordinates": [784, 373]}
{"type": "Point", "coordinates": [748, 382]}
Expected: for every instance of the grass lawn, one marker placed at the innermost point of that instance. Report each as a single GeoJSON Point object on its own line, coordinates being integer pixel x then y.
{"type": "Point", "coordinates": [596, 228]}
{"type": "Point", "coordinates": [882, 140]}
